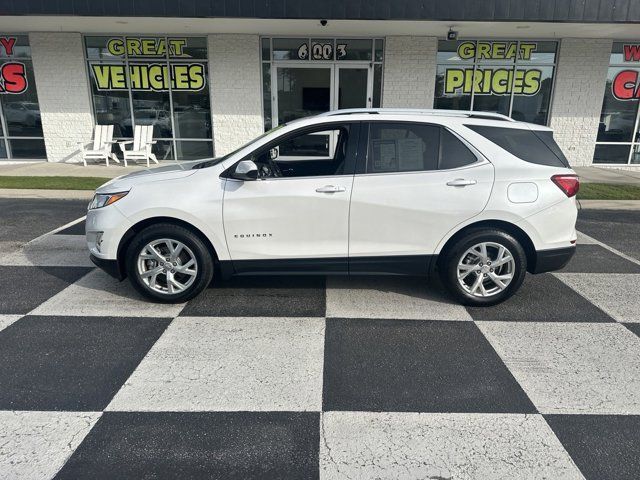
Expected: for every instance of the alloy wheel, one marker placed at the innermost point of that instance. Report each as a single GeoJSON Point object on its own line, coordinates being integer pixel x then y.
{"type": "Point", "coordinates": [167, 266]}
{"type": "Point", "coordinates": [485, 269]}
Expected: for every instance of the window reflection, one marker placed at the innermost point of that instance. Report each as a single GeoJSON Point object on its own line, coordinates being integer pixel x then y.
{"type": "Point", "coordinates": [165, 85]}
{"type": "Point", "coordinates": [22, 137]}
{"type": "Point", "coordinates": [513, 78]}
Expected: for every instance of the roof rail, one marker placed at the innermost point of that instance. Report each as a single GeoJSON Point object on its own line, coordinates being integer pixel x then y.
{"type": "Point", "coordinates": [418, 111]}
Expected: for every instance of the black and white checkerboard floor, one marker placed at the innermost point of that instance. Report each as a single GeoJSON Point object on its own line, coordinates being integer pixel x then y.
{"type": "Point", "coordinates": [312, 377]}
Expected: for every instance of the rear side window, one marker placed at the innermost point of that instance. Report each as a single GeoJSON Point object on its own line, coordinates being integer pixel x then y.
{"type": "Point", "coordinates": [531, 146]}
{"type": "Point", "coordinates": [402, 147]}
{"type": "Point", "coordinates": [411, 147]}
{"type": "Point", "coordinates": [453, 153]}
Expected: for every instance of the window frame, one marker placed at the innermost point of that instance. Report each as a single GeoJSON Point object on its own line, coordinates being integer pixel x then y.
{"type": "Point", "coordinates": [166, 59]}
{"type": "Point", "coordinates": [351, 160]}
{"type": "Point", "coordinates": [515, 65]}
{"type": "Point", "coordinates": [635, 134]}
{"type": "Point", "coordinates": [363, 149]}
{"type": "Point", "coordinates": [5, 137]}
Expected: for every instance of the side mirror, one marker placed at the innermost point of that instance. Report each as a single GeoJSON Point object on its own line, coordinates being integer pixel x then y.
{"type": "Point", "coordinates": [246, 170]}
{"type": "Point", "coordinates": [273, 153]}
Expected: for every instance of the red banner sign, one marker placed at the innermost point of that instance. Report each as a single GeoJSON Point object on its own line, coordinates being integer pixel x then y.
{"type": "Point", "coordinates": [626, 83]}
{"type": "Point", "coordinates": [13, 75]}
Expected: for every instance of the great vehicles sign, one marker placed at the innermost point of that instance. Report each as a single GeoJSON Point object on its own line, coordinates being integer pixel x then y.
{"type": "Point", "coordinates": [626, 83]}
{"type": "Point", "coordinates": [493, 80]}
{"type": "Point", "coordinates": [140, 74]}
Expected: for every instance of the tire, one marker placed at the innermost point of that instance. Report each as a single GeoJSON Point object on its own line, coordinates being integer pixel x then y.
{"type": "Point", "coordinates": [150, 277]}
{"type": "Point", "coordinates": [466, 257]}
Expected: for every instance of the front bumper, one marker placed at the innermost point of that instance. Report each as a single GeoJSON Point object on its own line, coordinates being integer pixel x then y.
{"type": "Point", "coordinates": [554, 259]}
{"type": "Point", "coordinates": [112, 267]}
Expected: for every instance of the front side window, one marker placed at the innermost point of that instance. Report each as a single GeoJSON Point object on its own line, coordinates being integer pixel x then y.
{"type": "Point", "coordinates": [414, 147]}
{"type": "Point", "coordinates": [512, 77]}
{"type": "Point", "coordinates": [159, 81]}
{"type": "Point", "coordinates": [20, 124]}
{"type": "Point", "coordinates": [325, 151]}
{"type": "Point", "coordinates": [618, 140]}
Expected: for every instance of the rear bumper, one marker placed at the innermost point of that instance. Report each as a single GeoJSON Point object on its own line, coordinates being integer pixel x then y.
{"type": "Point", "coordinates": [550, 260]}
{"type": "Point", "coordinates": [110, 266]}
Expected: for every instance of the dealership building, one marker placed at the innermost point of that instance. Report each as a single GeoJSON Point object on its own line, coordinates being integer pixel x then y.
{"type": "Point", "coordinates": [212, 74]}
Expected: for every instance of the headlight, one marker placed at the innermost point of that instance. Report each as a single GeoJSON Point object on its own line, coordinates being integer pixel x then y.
{"type": "Point", "coordinates": [103, 199]}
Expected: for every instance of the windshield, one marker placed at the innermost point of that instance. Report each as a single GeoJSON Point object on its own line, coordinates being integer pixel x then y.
{"type": "Point", "coordinates": [217, 160]}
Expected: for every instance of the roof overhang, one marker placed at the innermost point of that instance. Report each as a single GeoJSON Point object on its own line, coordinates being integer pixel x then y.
{"type": "Point", "coordinates": [367, 28]}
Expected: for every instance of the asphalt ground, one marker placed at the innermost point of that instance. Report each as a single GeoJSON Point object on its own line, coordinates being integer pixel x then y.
{"type": "Point", "coordinates": [312, 377]}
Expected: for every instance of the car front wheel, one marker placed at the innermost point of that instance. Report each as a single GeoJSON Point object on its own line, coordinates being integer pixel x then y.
{"type": "Point", "coordinates": [484, 267]}
{"type": "Point", "coordinates": [168, 263]}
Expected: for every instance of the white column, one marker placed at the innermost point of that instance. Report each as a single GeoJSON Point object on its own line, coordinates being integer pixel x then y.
{"type": "Point", "coordinates": [236, 90]}
{"type": "Point", "coordinates": [409, 71]}
{"type": "Point", "coordinates": [63, 93]}
{"type": "Point", "coordinates": [578, 95]}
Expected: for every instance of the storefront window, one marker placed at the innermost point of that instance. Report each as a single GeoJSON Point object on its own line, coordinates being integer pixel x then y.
{"type": "Point", "coordinates": [20, 123]}
{"type": "Point", "coordinates": [306, 76]}
{"type": "Point", "coordinates": [514, 78]}
{"type": "Point", "coordinates": [618, 140]}
{"type": "Point", "coordinates": [159, 81]}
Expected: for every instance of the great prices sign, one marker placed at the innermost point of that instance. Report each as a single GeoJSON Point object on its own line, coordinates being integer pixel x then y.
{"type": "Point", "coordinates": [493, 80]}
{"type": "Point", "coordinates": [626, 83]}
{"type": "Point", "coordinates": [149, 76]}
{"type": "Point", "coordinates": [13, 75]}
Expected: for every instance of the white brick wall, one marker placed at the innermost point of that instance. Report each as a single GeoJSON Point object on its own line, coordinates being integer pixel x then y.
{"type": "Point", "coordinates": [577, 100]}
{"type": "Point", "coordinates": [409, 72]}
{"type": "Point", "coordinates": [63, 93]}
{"type": "Point", "coordinates": [236, 90]}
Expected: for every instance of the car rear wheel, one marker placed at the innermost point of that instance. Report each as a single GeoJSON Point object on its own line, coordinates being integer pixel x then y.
{"type": "Point", "coordinates": [168, 263]}
{"type": "Point", "coordinates": [484, 267]}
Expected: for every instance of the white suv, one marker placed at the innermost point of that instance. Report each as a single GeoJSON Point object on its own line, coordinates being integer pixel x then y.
{"type": "Point", "coordinates": [477, 197]}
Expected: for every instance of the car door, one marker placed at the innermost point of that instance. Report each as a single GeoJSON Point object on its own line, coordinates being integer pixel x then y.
{"type": "Point", "coordinates": [418, 182]}
{"type": "Point", "coordinates": [300, 220]}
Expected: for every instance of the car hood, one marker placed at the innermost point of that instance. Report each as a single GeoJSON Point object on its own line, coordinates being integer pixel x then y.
{"type": "Point", "coordinates": [168, 172]}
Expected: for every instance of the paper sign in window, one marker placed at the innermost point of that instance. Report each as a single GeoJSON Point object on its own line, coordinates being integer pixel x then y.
{"type": "Point", "coordinates": [385, 156]}
{"type": "Point", "coordinates": [410, 155]}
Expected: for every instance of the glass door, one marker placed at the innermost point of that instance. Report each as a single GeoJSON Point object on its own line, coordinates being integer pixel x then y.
{"type": "Point", "coordinates": [353, 87]}
{"type": "Point", "coordinates": [301, 91]}
{"type": "Point", "coordinates": [305, 90]}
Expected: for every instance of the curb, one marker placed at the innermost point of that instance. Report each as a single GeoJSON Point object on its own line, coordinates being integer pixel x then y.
{"type": "Point", "coordinates": [54, 194]}
{"type": "Point", "coordinates": [610, 204]}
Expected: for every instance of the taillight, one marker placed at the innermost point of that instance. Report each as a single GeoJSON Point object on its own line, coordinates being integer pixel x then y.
{"type": "Point", "coordinates": [569, 184]}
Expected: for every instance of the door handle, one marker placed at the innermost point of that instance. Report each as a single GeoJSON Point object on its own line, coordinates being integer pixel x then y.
{"type": "Point", "coordinates": [461, 182]}
{"type": "Point", "coordinates": [330, 189]}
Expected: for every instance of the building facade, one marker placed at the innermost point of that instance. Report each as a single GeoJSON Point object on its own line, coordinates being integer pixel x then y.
{"type": "Point", "coordinates": [210, 75]}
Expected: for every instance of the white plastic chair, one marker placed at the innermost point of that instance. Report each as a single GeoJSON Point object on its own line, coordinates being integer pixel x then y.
{"type": "Point", "coordinates": [102, 146]}
{"type": "Point", "coordinates": [141, 145]}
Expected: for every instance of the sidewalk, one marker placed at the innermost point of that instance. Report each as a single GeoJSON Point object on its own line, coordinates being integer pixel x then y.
{"type": "Point", "coordinates": [53, 169]}
{"type": "Point", "coordinates": [608, 175]}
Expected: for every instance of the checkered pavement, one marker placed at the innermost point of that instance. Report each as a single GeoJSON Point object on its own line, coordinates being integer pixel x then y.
{"type": "Point", "coordinates": [312, 377]}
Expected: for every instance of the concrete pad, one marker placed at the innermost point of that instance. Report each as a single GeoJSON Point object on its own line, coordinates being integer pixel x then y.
{"type": "Point", "coordinates": [6, 320]}
{"type": "Point", "coordinates": [617, 294]}
{"type": "Point", "coordinates": [389, 297]}
{"type": "Point", "coordinates": [584, 239]}
{"type": "Point", "coordinates": [98, 294]}
{"type": "Point", "coordinates": [440, 446]}
{"type": "Point", "coordinates": [230, 364]}
{"type": "Point", "coordinates": [572, 368]}
{"type": "Point", "coordinates": [35, 445]}
{"type": "Point", "coordinates": [50, 251]}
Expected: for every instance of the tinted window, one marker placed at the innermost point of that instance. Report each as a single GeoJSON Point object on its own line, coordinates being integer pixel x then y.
{"type": "Point", "coordinates": [322, 152]}
{"type": "Point", "coordinates": [527, 145]}
{"type": "Point", "coordinates": [402, 147]}
{"type": "Point", "coordinates": [453, 153]}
